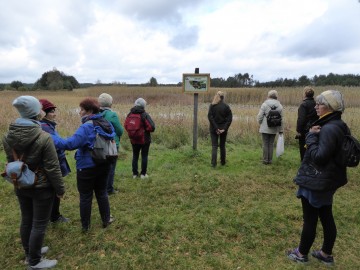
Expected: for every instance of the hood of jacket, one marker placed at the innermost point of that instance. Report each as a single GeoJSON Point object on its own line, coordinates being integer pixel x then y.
{"type": "Point", "coordinates": [23, 133]}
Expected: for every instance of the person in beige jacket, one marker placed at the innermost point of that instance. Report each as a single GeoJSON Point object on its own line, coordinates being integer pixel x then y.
{"type": "Point", "coordinates": [268, 133]}
{"type": "Point", "coordinates": [26, 138]}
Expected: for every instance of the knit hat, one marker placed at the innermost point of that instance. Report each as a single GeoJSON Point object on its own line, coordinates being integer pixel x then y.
{"type": "Point", "coordinates": [140, 102]}
{"type": "Point", "coordinates": [334, 99]}
{"type": "Point", "coordinates": [27, 106]}
{"type": "Point", "coordinates": [105, 100]}
{"type": "Point", "coordinates": [47, 106]}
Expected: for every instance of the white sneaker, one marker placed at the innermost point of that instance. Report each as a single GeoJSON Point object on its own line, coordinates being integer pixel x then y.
{"type": "Point", "coordinates": [44, 250]}
{"type": "Point", "coordinates": [144, 176]}
{"type": "Point", "coordinates": [134, 176]}
{"type": "Point", "coordinates": [44, 264]}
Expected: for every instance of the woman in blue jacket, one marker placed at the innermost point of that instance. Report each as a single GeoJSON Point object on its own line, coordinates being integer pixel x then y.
{"type": "Point", "coordinates": [91, 177]}
{"type": "Point", "coordinates": [48, 124]}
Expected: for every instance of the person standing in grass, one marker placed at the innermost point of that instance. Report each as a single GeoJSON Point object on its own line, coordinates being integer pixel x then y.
{"type": "Point", "coordinates": [268, 133]}
{"type": "Point", "coordinates": [105, 101]}
{"type": "Point", "coordinates": [26, 138]}
{"type": "Point", "coordinates": [220, 118]}
{"type": "Point", "coordinates": [91, 177]}
{"type": "Point", "coordinates": [48, 124]}
{"type": "Point", "coordinates": [321, 173]}
{"type": "Point", "coordinates": [138, 117]}
{"type": "Point", "coordinates": [306, 116]}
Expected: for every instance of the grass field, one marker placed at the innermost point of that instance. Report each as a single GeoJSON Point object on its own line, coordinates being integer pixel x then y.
{"type": "Point", "coordinates": [187, 215]}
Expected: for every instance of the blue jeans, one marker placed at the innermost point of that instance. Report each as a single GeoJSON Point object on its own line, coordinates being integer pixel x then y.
{"type": "Point", "coordinates": [111, 175]}
{"type": "Point", "coordinates": [35, 206]}
{"type": "Point", "coordinates": [89, 181]}
{"type": "Point", "coordinates": [144, 148]}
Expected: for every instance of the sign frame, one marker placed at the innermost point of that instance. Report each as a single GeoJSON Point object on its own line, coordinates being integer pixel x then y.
{"type": "Point", "coordinates": [196, 83]}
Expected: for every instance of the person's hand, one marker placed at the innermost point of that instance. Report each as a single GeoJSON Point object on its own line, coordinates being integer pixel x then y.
{"type": "Point", "coordinates": [315, 129]}
{"type": "Point", "coordinates": [60, 196]}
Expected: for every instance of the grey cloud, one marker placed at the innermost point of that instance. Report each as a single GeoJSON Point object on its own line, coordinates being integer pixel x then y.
{"type": "Point", "coordinates": [185, 38]}
{"type": "Point", "coordinates": [329, 35]}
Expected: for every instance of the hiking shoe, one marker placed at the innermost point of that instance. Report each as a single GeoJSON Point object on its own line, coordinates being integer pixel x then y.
{"type": "Point", "coordinates": [111, 220]}
{"type": "Point", "coordinates": [295, 256]}
{"type": "Point", "coordinates": [44, 250]}
{"type": "Point", "coordinates": [61, 219]}
{"type": "Point", "coordinates": [143, 176]}
{"type": "Point", "coordinates": [113, 192]}
{"type": "Point", "coordinates": [43, 264]}
{"type": "Point", "coordinates": [329, 260]}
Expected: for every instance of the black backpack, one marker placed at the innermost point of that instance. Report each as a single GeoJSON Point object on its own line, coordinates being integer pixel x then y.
{"type": "Point", "coordinates": [350, 151]}
{"type": "Point", "coordinates": [274, 117]}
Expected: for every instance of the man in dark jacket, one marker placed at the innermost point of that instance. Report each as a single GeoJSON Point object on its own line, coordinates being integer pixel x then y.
{"type": "Point", "coordinates": [306, 116]}
{"type": "Point", "coordinates": [220, 118]}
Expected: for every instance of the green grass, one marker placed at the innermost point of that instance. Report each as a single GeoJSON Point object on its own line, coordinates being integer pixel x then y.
{"type": "Point", "coordinates": [187, 215]}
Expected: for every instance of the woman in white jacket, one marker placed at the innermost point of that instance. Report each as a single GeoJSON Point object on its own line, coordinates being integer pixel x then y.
{"type": "Point", "coordinates": [268, 133]}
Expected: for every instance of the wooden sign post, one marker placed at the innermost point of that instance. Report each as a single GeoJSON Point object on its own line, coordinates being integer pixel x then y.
{"type": "Point", "coordinates": [196, 83]}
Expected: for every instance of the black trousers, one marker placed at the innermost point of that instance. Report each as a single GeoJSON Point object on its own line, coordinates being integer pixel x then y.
{"type": "Point", "coordinates": [216, 141]}
{"type": "Point", "coordinates": [311, 216]}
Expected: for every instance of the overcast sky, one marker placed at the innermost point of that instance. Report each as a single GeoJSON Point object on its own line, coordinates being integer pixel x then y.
{"type": "Point", "coordinates": [133, 40]}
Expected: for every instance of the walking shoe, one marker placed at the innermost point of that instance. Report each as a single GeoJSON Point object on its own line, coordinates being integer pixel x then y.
{"type": "Point", "coordinates": [143, 176]}
{"type": "Point", "coordinates": [295, 256]}
{"type": "Point", "coordinates": [44, 250]}
{"type": "Point", "coordinates": [111, 220]}
{"type": "Point", "coordinates": [43, 264]}
{"type": "Point", "coordinates": [61, 219]}
{"type": "Point", "coordinates": [328, 260]}
{"type": "Point", "coordinates": [113, 192]}
{"type": "Point", "coordinates": [134, 176]}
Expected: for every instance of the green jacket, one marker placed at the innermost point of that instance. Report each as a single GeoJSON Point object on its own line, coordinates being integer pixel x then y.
{"type": "Point", "coordinates": [113, 118]}
{"type": "Point", "coordinates": [39, 151]}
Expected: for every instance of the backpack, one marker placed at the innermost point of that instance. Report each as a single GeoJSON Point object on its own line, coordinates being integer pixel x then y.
{"type": "Point", "coordinates": [18, 173]}
{"type": "Point", "coordinates": [104, 150]}
{"type": "Point", "coordinates": [350, 151]}
{"type": "Point", "coordinates": [273, 118]}
{"type": "Point", "coordinates": [134, 125]}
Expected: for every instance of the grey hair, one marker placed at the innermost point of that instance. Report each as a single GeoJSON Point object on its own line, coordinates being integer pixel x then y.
{"type": "Point", "coordinates": [273, 94]}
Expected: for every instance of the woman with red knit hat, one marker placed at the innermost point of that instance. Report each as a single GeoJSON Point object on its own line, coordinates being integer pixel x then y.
{"type": "Point", "coordinates": [48, 124]}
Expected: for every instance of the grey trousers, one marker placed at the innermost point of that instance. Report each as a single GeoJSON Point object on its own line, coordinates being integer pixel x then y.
{"type": "Point", "coordinates": [268, 147]}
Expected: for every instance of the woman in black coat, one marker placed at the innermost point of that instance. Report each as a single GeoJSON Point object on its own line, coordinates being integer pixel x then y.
{"type": "Point", "coordinates": [220, 118]}
{"type": "Point", "coordinates": [306, 116]}
{"type": "Point", "coordinates": [321, 173]}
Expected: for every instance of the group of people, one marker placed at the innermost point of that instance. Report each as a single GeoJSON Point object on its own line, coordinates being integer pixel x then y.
{"type": "Point", "coordinates": [320, 131]}
{"type": "Point", "coordinates": [45, 152]}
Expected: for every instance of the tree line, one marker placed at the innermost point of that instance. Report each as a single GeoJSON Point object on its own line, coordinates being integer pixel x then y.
{"type": "Point", "coordinates": [58, 80]}
{"type": "Point", "coordinates": [246, 80]}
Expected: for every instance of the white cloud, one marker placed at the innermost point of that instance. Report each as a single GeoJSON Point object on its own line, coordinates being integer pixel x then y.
{"type": "Point", "coordinates": [132, 40]}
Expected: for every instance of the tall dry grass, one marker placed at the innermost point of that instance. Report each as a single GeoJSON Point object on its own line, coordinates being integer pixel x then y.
{"type": "Point", "coordinates": [172, 110]}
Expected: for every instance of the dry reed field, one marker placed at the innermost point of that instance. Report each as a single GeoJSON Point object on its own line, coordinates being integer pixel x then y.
{"type": "Point", "coordinates": [172, 110]}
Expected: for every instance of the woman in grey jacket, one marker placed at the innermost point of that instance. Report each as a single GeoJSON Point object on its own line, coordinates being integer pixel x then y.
{"type": "Point", "coordinates": [268, 133]}
{"type": "Point", "coordinates": [26, 137]}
